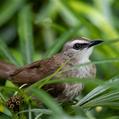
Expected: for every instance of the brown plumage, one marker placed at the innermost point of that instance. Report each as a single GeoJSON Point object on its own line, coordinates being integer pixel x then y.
{"type": "Point", "coordinates": [6, 69]}
{"type": "Point", "coordinates": [76, 52]}
{"type": "Point", "coordinates": [38, 70]}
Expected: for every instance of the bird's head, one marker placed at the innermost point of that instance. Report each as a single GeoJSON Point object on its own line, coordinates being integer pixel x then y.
{"type": "Point", "coordinates": [80, 48]}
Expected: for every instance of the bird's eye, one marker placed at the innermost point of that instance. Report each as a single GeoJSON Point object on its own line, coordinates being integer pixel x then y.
{"type": "Point", "coordinates": [77, 46]}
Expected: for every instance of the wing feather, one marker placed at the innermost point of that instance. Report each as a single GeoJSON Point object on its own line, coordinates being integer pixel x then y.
{"type": "Point", "coordinates": [36, 71]}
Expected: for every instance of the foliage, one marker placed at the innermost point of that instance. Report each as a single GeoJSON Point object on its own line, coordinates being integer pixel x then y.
{"type": "Point", "coordinates": [33, 30]}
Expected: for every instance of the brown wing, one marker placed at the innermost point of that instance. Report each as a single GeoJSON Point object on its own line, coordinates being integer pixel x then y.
{"type": "Point", "coordinates": [6, 69]}
{"type": "Point", "coordinates": [36, 71]}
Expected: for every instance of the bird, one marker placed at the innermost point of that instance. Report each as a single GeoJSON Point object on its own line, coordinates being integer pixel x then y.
{"type": "Point", "coordinates": [75, 52]}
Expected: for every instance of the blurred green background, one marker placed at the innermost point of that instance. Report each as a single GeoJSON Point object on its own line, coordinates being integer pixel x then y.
{"type": "Point", "coordinates": [36, 29]}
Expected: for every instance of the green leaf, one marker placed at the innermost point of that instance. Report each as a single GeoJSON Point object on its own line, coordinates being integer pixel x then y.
{"type": "Point", "coordinates": [47, 100]}
{"type": "Point", "coordinates": [4, 110]}
{"type": "Point", "coordinates": [26, 34]}
{"type": "Point", "coordinates": [44, 111]}
{"type": "Point", "coordinates": [103, 95]}
{"type": "Point", "coordinates": [8, 10]}
{"type": "Point", "coordinates": [47, 13]}
{"type": "Point", "coordinates": [96, 18]}
{"type": "Point", "coordinates": [6, 54]}
{"type": "Point", "coordinates": [61, 40]}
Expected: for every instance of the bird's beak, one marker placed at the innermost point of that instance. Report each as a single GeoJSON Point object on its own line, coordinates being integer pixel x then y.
{"type": "Point", "coordinates": [96, 42]}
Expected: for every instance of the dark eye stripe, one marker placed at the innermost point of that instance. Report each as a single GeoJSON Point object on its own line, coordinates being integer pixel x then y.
{"type": "Point", "coordinates": [78, 46]}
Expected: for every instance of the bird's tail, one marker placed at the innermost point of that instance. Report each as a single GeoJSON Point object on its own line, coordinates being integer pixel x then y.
{"type": "Point", "coordinates": [6, 69]}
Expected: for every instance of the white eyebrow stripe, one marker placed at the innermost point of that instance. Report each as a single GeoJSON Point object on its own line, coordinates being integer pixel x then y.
{"type": "Point", "coordinates": [79, 41]}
